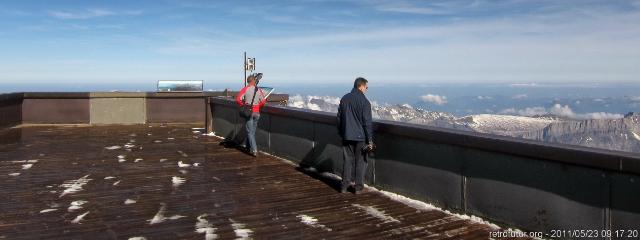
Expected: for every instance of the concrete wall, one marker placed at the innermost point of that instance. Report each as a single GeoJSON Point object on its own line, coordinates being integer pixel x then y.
{"type": "Point", "coordinates": [175, 110]}
{"type": "Point", "coordinates": [56, 108]}
{"type": "Point", "coordinates": [124, 109]}
{"type": "Point", "coordinates": [519, 183]}
{"type": "Point", "coordinates": [109, 107]}
{"type": "Point", "coordinates": [10, 110]}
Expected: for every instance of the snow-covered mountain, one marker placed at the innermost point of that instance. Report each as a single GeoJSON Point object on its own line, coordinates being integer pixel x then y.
{"type": "Point", "coordinates": [615, 134]}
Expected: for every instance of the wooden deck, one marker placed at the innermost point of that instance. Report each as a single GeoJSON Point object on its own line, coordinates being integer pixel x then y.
{"type": "Point", "coordinates": [217, 193]}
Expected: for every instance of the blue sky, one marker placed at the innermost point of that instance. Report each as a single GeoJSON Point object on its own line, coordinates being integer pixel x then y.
{"type": "Point", "coordinates": [511, 41]}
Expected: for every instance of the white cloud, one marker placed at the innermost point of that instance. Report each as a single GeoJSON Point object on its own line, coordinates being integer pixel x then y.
{"type": "Point", "coordinates": [90, 13]}
{"type": "Point", "coordinates": [435, 99]}
{"type": "Point", "coordinates": [86, 14]}
{"type": "Point", "coordinates": [548, 43]}
{"type": "Point", "coordinates": [523, 85]}
{"type": "Point", "coordinates": [411, 9]}
{"type": "Point", "coordinates": [520, 96]}
{"type": "Point", "coordinates": [13, 12]}
{"type": "Point", "coordinates": [485, 97]}
{"type": "Point", "coordinates": [601, 115]}
{"type": "Point", "coordinates": [531, 111]}
{"type": "Point", "coordinates": [525, 49]}
{"type": "Point", "coordinates": [421, 7]}
{"type": "Point", "coordinates": [635, 98]}
{"type": "Point", "coordinates": [561, 111]}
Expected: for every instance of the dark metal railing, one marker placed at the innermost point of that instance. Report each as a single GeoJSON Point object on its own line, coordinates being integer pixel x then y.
{"type": "Point", "coordinates": [523, 183]}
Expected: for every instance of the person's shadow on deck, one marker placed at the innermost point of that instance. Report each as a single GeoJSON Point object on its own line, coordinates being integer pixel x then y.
{"type": "Point", "coordinates": [320, 168]}
{"type": "Point", "coordinates": [329, 181]}
{"type": "Point", "coordinates": [237, 138]}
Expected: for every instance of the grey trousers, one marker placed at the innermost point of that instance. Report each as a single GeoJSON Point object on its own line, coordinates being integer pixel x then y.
{"type": "Point", "coordinates": [354, 163]}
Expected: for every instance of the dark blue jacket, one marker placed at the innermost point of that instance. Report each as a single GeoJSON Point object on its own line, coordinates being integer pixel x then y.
{"type": "Point", "coordinates": [354, 117]}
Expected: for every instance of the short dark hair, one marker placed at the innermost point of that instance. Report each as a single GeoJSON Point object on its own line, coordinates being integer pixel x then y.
{"type": "Point", "coordinates": [359, 82]}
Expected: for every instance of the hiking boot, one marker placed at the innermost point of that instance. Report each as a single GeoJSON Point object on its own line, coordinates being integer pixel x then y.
{"type": "Point", "coordinates": [358, 189]}
{"type": "Point", "coordinates": [254, 154]}
{"type": "Point", "coordinates": [344, 189]}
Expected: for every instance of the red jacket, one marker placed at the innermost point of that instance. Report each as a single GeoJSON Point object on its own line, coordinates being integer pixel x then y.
{"type": "Point", "coordinates": [256, 105]}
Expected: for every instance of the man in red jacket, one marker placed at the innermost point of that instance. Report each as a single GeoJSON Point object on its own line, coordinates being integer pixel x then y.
{"type": "Point", "coordinates": [246, 97]}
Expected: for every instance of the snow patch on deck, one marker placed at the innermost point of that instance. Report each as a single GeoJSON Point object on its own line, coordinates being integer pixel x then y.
{"type": "Point", "coordinates": [112, 147]}
{"type": "Point", "coordinates": [159, 217]}
{"type": "Point", "coordinates": [121, 158]}
{"type": "Point", "coordinates": [129, 201]}
{"type": "Point", "coordinates": [138, 160]}
{"type": "Point", "coordinates": [240, 230]}
{"type": "Point", "coordinates": [177, 181]}
{"type": "Point", "coordinates": [311, 221]}
{"type": "Point", "coordinates": [137, 238]}
{"type": "Point", "coordinates": [428, 207]}
{"type": "Point", "coordinates": [48, 210]}
{"type": "Point", "coordinates": [379, 214]}
{"type": "Point", "coordinates": [76, 205]}
{"type": "Point", "coordinates": [410, 229]}
{"type": "Point", "coordinates": [405, 200]}
{"type": "Point", "coordinates": [324, 174]}
{"type": "Point", "coordinates": [183, 165]}
{"type": "Point", "coordinates": [203, 226]}
{"type": "Point", "coordinates": [55, 205]}
{"type": "Point", "coordinates": [73, 186]}
{"type": "Point", "coordinates": [27, 166]}
{"type": "Point", "coordinates": [116, 183]}
{"type": "Point", "coordinates": [80, 217]}
{"type": "Point", "coordinates": [26, 161]}
{"type": "Point", "coordinates": [281, 159]}
{"type": "Point", "coordinates": [182, 153]}
{"type": "Point", "coordinates": [635, 135]}
{"type": "Point", "coordinates": [14, 174]}
{"type": "Point", "coordinates": [109, 177]}
{"type": "Point", "coordinates": [163, 159]}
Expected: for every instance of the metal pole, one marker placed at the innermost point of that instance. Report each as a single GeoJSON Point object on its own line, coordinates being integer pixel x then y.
{"type": "Point", "coordinates": [245, 69]}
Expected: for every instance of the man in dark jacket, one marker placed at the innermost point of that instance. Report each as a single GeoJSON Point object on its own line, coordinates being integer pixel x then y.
{"type": "Point", "coordinates": [354, 125]}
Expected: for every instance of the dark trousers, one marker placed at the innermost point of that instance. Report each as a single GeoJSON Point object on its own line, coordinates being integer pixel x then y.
{"type": "Point", "coordinates": [354, 164]}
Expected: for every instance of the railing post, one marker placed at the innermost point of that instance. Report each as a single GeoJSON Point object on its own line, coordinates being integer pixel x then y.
{"type": "Point", "coordinates": [208, 115]}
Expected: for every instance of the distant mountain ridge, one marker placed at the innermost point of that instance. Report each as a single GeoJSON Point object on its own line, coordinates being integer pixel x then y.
{"type": "Point", "coordinates": [621, 134]}
{"type": "Point", "coordinates": [614, 134]}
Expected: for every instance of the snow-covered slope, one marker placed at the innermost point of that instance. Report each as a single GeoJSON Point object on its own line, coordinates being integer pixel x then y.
{"type": "Point", "coordinates": [615, 134]}
{"type": "Point", "coordinates": [507, 125]}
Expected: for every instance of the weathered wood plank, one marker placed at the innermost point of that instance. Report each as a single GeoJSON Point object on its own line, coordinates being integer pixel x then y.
{"type": "Point", "coordinates": [236, 194]}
